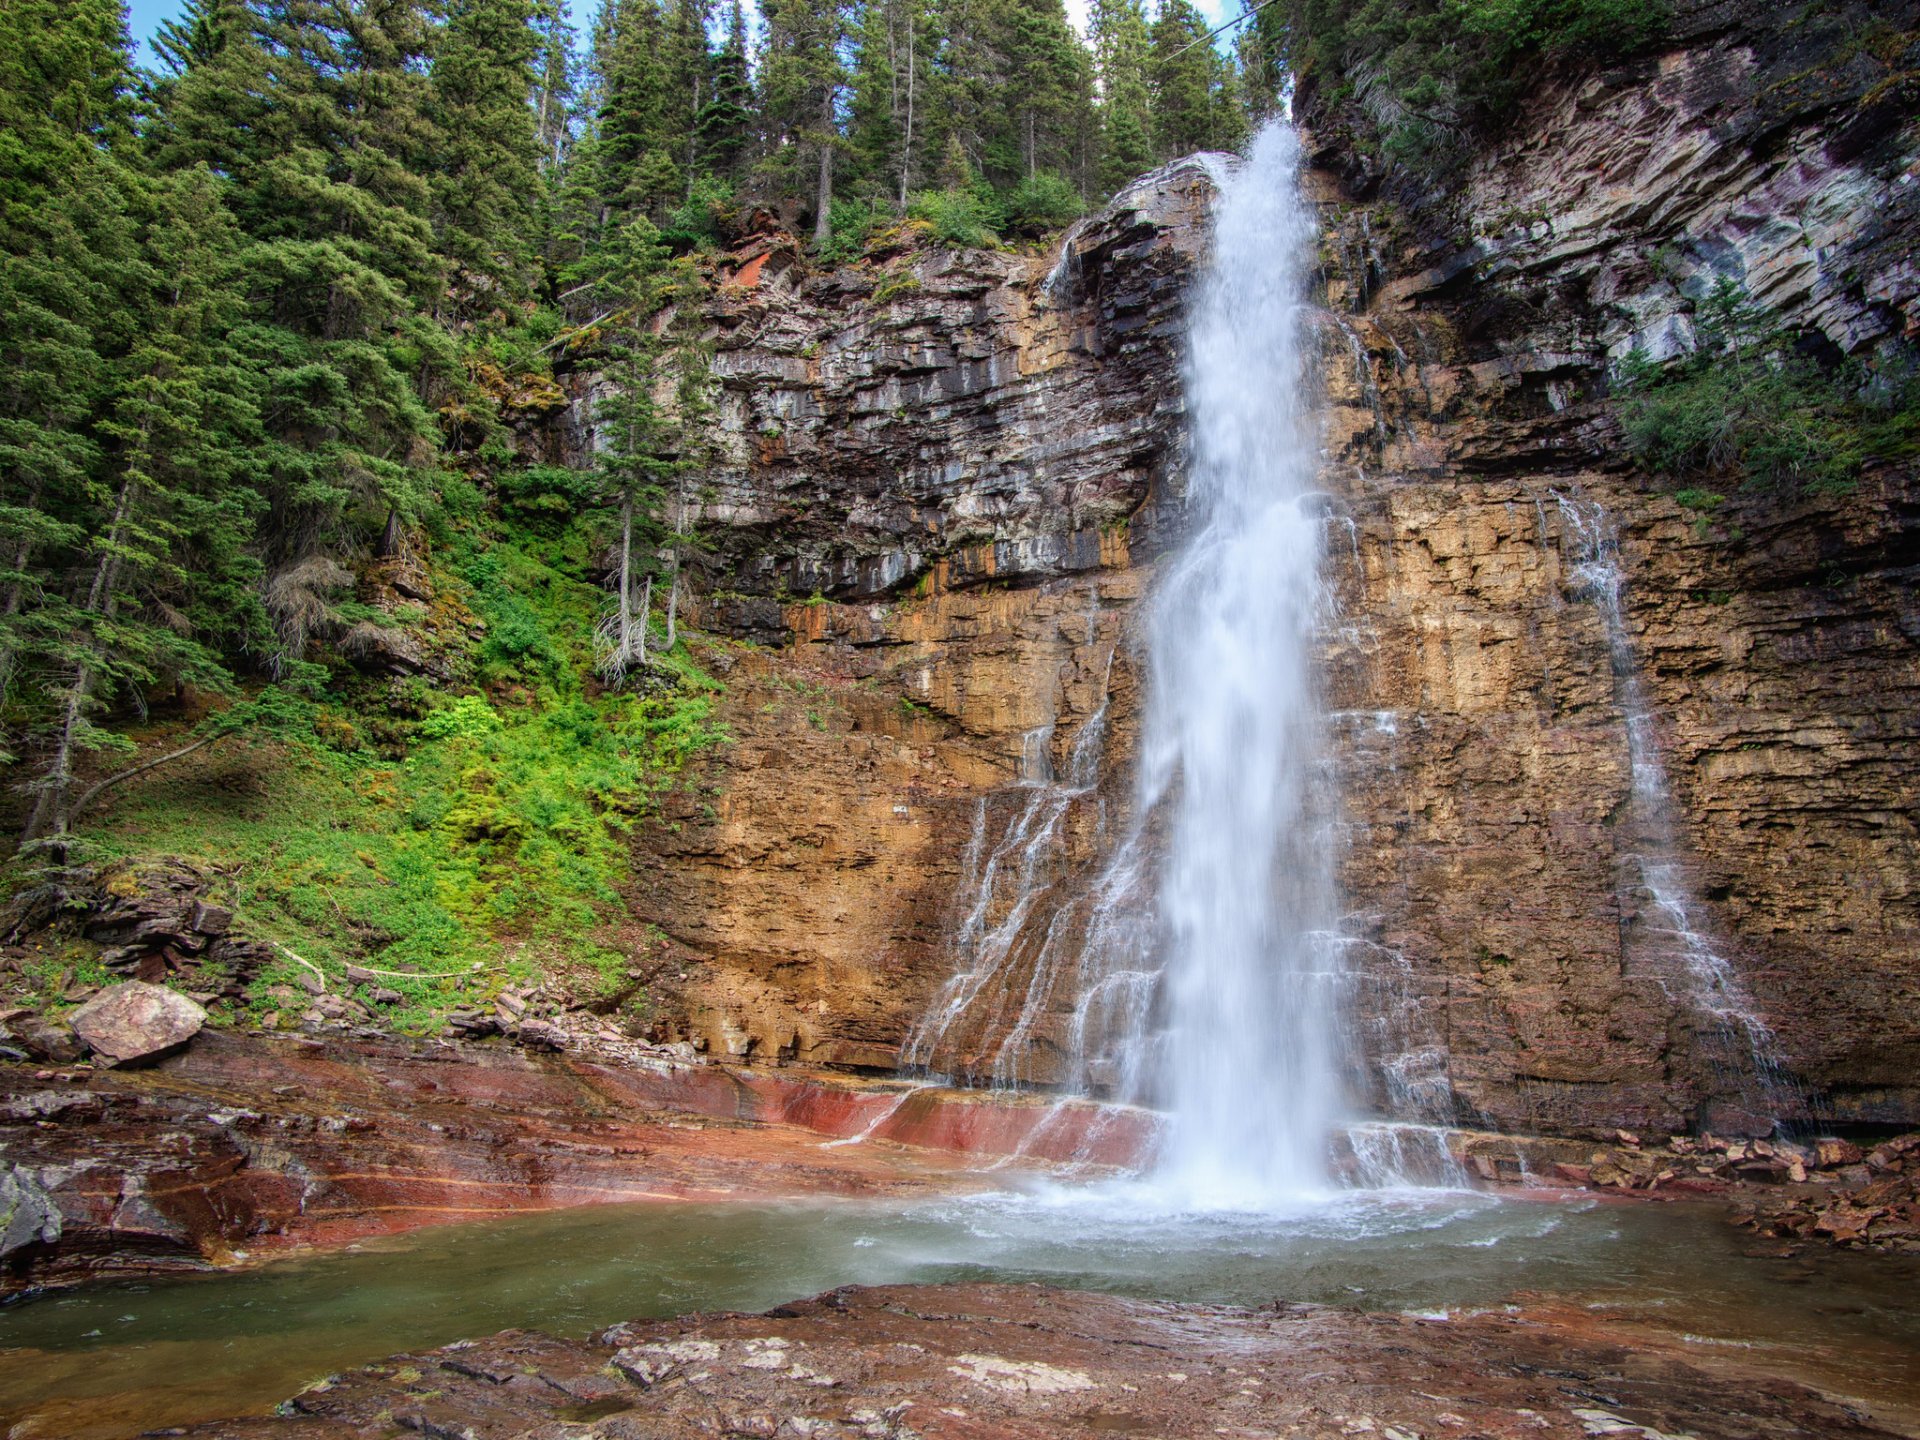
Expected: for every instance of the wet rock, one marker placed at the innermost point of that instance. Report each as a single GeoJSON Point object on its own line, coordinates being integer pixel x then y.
{"type": "Point", "coordinates": [136, 1023]}
{"type": "Point", "coordinates": [1023, 1361]}
{"type": "Point", "coordinates": [225, 1147]}
{"type": "Point", "coordinates": [28, 1214]}
{"type": "Point", "coordinates": [49, 1040]}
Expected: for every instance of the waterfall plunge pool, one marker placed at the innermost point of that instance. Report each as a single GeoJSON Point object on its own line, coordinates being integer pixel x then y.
{"type": "Point", "coordinates": [114, 1361]}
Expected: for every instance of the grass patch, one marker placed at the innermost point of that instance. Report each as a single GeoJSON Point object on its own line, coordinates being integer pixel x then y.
{"type": "Point", "coordinates": [483, 843]}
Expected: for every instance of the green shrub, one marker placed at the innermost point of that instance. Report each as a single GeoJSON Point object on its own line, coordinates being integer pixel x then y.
{"type": "Point", "coordinates": [1746, 403]}
{"type": "Point", "coordinates": [851, 225]}
{"type": "Point", "coordinates": [956, 217]}
{"type": "Point", "coordinates": [1041, 203]}
{"type": "Point", "coordinates": [702, 220]}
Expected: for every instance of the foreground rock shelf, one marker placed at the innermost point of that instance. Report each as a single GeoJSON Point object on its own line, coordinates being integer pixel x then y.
{"type": "Point", "coordinates": [978, 1361]}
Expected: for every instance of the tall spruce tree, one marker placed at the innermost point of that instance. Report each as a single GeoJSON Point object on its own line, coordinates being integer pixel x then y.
{"type": "Point", "coordinates": [320, 114]}
{"type": "Point", "coordinates": [726, 122]}
{"type": "Point", "coordinates": [649, 393]}
{"type": "Point", "coordinates": [64, 242]}
{"type": "Point", "coordinates": [163, 583]}
{"type": "Point", "coordinates": [1195, 105]}
{"type": "Point", "coordinates": [486, 159]}
{"type": "Point", "coordinates": [1122, 46]}
{"type": "Point", "coordinates": [892, 110]}
{"type": "Point", "coordinates": [802, 74]}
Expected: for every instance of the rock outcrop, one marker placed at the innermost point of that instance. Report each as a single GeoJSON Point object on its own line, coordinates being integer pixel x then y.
{"type": "Point", "coordinates": [948, 474]}
{"type": "Point", "coordinates": [254, 1144]}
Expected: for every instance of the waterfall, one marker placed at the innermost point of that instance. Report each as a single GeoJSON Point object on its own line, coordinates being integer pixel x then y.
{"type": "Point", "coordinates": [1232, 739]}
{"type": "Point", "coordinates": [1733, 1041]}
{"type": "Point", "coordinates": [1203, 961]}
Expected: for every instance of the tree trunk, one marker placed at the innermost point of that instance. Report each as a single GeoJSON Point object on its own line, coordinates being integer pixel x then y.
{"type": "Point", "coordinates": [693, 138]}
{"type": "Point", "coordinates": [640, 633]}
{"type": "Point", "coordinates": [906, 148]}
{"type": "Point", "coordinates": [16, 597]}
{"type": "Point", "coordinates": [51, 814]}
{"type": "Point", "coordinates": [823, 214]}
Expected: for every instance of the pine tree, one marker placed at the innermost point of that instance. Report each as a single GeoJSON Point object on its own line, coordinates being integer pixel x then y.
{"type": "Point", "coordinates": [164, 579]}
{"type": "Point", "coordinates": [1182, 74]}
{"type": "Point", "coordinates": [802, 75]}
{"type": "Point", "coordinates": [894, 72]}
{"type": "Point", "coordinates": [1122, 46]}
{"type": "Point", "coordinates": [1049, 83]}
{"type": "Point", "coordinates": [689, 81]}
{"type": "Point", "coordinates": [641, 424]}
{"type": "Point", "coordinates": [631, 157]}
{"type": "Point", "coordinates": [63, 239]}
{"type": "Point", "coordinates": [726, 123]}
{"type": "Point", "coordinates": [1263, 49]}
{"type": "Point", "coordinates": [486, 181]}
{"type": "Point", "coordinates": [556, 87]}
{"type": "Point", "coordinates": [319, 113]}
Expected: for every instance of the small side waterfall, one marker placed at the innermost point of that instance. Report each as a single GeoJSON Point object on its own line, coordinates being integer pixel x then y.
{"type": "Point", "coordinates": [1734, 1041]}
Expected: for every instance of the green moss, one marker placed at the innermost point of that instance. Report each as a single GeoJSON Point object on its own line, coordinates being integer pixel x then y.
{"type": "Point", "coordinates": [490, 850]}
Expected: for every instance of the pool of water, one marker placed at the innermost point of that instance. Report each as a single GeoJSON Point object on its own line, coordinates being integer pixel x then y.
{"type": "Point", "coordinates": [112, 1362]}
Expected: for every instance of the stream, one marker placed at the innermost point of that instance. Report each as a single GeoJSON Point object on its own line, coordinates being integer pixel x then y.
{"type": "Point", "coordinates": [114, 1361]}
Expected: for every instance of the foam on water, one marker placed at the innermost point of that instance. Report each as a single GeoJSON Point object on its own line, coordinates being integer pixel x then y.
{"type": "Point", "coordinates": [1232, 741]}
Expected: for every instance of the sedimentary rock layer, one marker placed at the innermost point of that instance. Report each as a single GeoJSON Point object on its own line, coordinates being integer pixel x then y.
{"type": "Point", "coordinates": [981, 1362]}
{"type": "Point", "coordinates": [947, 476]}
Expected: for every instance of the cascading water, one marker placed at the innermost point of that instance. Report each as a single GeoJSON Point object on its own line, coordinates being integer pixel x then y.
{"type": "Point", "coordinates": [1733, 1040]}
{"type": "Point", "coordinates": [1232, 739]}
{"type": "Point", "coordinates": [1203, 961]}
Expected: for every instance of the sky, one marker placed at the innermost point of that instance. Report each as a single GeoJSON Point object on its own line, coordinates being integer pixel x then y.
{"type": "Point", "coordinates": [146, 15]}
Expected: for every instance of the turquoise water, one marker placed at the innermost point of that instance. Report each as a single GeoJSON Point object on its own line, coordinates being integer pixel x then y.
{"type": "Point", "coordinates": [111, 1362]}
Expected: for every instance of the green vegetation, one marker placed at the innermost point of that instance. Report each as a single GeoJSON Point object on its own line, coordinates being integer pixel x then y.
{"type": "Point", "coordinates": [1746, 404]}
{"type": "Point", "coordinates": [479, 845]}
{"type": "Point", "coordinates": [1425, 75]}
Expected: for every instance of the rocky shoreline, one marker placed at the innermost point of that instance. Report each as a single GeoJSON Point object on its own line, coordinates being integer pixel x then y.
{"type": "Point", "coordinates": [989, 1362]}
{"type": "Point", "coordinates": [247, 1145]}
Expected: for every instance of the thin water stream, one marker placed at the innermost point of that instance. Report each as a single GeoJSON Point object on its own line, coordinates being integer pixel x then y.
{"type": "Point", "coordinates": [113, 1362]}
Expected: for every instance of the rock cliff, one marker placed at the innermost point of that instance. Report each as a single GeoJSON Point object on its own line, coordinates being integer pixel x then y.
{"type": "Point", "coordinates": [946, 476]}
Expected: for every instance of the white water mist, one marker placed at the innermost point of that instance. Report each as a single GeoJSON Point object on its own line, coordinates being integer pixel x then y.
{"type": "Point", "coordinates": [1232, 740]}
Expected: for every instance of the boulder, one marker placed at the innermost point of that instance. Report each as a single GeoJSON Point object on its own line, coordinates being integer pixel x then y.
{"type": "Point", "coordinates": [48, 1040]}
{"type": "Point", "coordinates": [136, 1023]}
{"type": "Point", "coordinates": [28, 1214]}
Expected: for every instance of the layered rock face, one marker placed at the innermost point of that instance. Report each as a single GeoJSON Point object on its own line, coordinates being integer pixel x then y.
{"type": "Point", "coordinates": [1584, 743]}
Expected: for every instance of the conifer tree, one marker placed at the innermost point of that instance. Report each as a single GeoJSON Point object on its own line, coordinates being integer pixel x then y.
{"type": "Point", "coordinates": [163, 581]}
{"type": "Point", "coordinates": [319, 112]}
{"type": "Point", "coordinates": [63, 241]}
{"type": "Point", "coordinates": [640, 422]}
{"type": "Point", "coordinates": [485, 181]}
{"type": "Point", "coordinates": [891, 109]}
{"type": "Point", "coordinates": [556, 86]}
{"type": "Point", "coordinates": [802, 75]}
{"type": "Point", "coordinates": [725, 126]}
{"type": "Point", "coordinates": [1195, 103]}
{"type": "Point", "coordinates": [638, 127]}
{"type": "Point", "coordinates": [1122, 46]}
